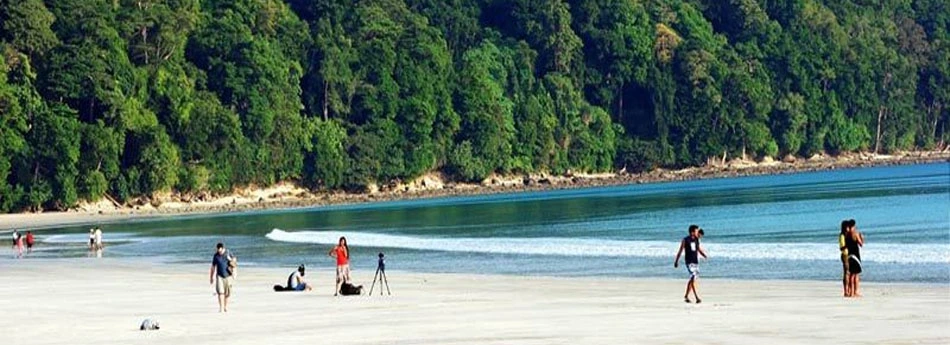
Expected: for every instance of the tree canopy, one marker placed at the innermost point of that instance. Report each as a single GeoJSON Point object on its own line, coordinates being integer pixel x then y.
{"type": "Point", "coordinates": [130, 98]}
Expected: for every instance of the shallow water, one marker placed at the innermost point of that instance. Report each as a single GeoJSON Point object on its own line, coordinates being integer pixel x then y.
{"type": "Point", "coordinates": [764, 227]}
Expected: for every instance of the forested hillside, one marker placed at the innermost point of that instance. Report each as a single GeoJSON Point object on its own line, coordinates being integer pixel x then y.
{"type": "Point", "coordinates": [134, 97]}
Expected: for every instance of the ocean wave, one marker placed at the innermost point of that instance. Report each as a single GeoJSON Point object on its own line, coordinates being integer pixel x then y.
{"type": "Point", "coordinates": [880, 252]}
{"type": "Point", "coordinates": [84, 238]}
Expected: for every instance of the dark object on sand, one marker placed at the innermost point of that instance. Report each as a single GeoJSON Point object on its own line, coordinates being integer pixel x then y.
{"type": "Point", "coordinates": [279, 288]}
{"type": "Point", "coordinates": [348, 289]}
{"type": "Point", "coordinates": [381, 275]}
{"type": "Point", "coordinates": [149, 325]}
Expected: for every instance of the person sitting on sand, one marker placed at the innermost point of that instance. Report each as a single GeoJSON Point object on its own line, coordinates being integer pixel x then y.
{"type": "Point", "coordinates": [845, 281]}
{"type": "Point", "coordinates": [342, 254]}
{"type": "Point", "coordinates": [854, 241]}
{"type": "Point", "coordinates": [295, 280]}
{"type": "Point", "coordinates": [690, 244]}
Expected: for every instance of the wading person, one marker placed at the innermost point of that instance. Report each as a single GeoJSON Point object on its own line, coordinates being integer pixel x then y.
{"type": "Point", "coordinates": [342, 254]}
{"type": "Point", "coordinates": [690, 245]}
{"type": "Point", "coordinates": [29, 241]}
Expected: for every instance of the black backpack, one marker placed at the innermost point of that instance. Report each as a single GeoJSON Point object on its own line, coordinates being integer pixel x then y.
{"type": "Point", "coordinates": [349, 289]}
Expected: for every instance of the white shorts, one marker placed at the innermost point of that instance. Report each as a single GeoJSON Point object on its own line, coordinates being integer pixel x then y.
{"type": "Point", "coordinates": [693, 270]}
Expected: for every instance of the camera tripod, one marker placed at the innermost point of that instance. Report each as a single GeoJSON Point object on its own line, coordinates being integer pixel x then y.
{"type": "Point", "coordinates": [381, 275]}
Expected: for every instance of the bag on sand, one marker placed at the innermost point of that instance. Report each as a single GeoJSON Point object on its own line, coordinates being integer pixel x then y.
{"type": "Point", "coordinates": [349, 289]}
{"type": "Point", "coordinates": [232, 264]}
{"type": "Point", "coordinates": [149, 325]}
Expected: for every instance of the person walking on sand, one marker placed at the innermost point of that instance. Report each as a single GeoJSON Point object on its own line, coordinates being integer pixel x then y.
{"type": "Point", "coordinates": [342, 254]}
{"type": "Point", "coordinates": [842, 241]}
{"type": "Point", "coordinates": [29, 242]}
{"type": "Point", "coordinates": [690, 244]}
{"type": "Point", "coordinates": [220, 277]}
{"type": "Point", "coordinates": [854, 241]}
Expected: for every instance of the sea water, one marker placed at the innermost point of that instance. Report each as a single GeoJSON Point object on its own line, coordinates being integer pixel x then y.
{"type": "Point", "coordinates": [762, 227]}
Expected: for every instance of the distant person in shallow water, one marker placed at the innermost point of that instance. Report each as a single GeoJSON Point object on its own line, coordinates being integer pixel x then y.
{"type": "Point", "coordinates": [29, 241]}
{"type": "Point", "coordinates": [842, 241]}
{"type": "Point", "coordinates": [97, 237]}
{"type": "Point", "coordinates": [854, 241]}
{"type": "Point", "coordinates": [690, 245]}
{"type": "Point", "coordinates": [92, 239]}
{"type": "Point", "coordinates": [18, 243]}
{"type": "Point", "coordinates": [342, 254]}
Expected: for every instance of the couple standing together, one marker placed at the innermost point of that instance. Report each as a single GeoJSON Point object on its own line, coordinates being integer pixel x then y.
{"type": "Point", "coordinates": [850, 241]}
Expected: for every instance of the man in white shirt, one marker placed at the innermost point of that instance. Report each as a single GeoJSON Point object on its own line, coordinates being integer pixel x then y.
{"type": "Point", "coordinates": [98, 238]}
{"type": "Point", "coordinates": [295, 280]}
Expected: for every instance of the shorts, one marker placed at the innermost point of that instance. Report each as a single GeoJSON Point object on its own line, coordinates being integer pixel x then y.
{"type": "Point", "coordinates": [223, 286]}
{"type": "Point", "coordinates": [854, 265]}
{"type": "Point", "coordinates": [693, 270]}
{"type": "Point", "coordinates": [300, 287]}
{"type": "Point", "coordinates": [343, 273]}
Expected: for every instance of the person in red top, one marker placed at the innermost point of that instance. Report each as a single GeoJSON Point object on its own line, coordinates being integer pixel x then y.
{"type": "Point", "coordinates": [29, 241]}
{"type": "Point", "coordinates": [342, 254]}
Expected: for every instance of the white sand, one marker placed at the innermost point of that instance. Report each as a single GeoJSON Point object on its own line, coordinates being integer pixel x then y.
{"type": "Point", "coordinates": [12, 221]}
{"type": "Point", "coordinates": [102, 301]}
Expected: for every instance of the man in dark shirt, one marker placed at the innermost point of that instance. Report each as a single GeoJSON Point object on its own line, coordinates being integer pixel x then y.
{"type": "Point", "coordinates": [690, 244]}
{"type": "Point", "coordinates": [221, 278]}
{"type": "Point", "coordinates": [853, 242]}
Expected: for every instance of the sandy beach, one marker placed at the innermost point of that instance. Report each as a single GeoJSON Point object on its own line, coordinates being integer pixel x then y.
{"type": "Point", "coordinates": [102, 301]}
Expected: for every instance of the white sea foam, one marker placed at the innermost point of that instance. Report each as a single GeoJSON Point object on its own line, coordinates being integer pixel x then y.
{"type": "Point", "coordinates": [84, 238]}
{"type": "Point", "coordinates": [880, 252]}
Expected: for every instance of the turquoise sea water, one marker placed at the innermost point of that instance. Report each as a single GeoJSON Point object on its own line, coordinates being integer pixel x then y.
{"type": "Point", "coordinates": [766, 227]}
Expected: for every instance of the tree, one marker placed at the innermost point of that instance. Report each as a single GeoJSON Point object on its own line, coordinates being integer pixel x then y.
{"type": "Point", "coordinates": [26, 26]}
{"type": "Point", "coordinates": [325, 165]}
{"type": "Point", "coordinates": [619, 48]}
{"type": "Point", "coordinates": [487, 121]}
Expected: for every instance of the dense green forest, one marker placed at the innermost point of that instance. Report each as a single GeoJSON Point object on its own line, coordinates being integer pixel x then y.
{"type": "Point", "coordinates": [133, 97]}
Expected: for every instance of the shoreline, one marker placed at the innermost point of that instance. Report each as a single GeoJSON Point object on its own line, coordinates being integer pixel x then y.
{"type": "Point", "coordinates": [286, 196]}
{"type": "Point", "coordinates": [105, 300]}
{"type": "Point", "coordinates": [326, 273]}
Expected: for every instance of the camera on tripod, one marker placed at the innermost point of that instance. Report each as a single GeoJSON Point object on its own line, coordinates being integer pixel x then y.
{"type": "Point", "coordinates": [381, 275]}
